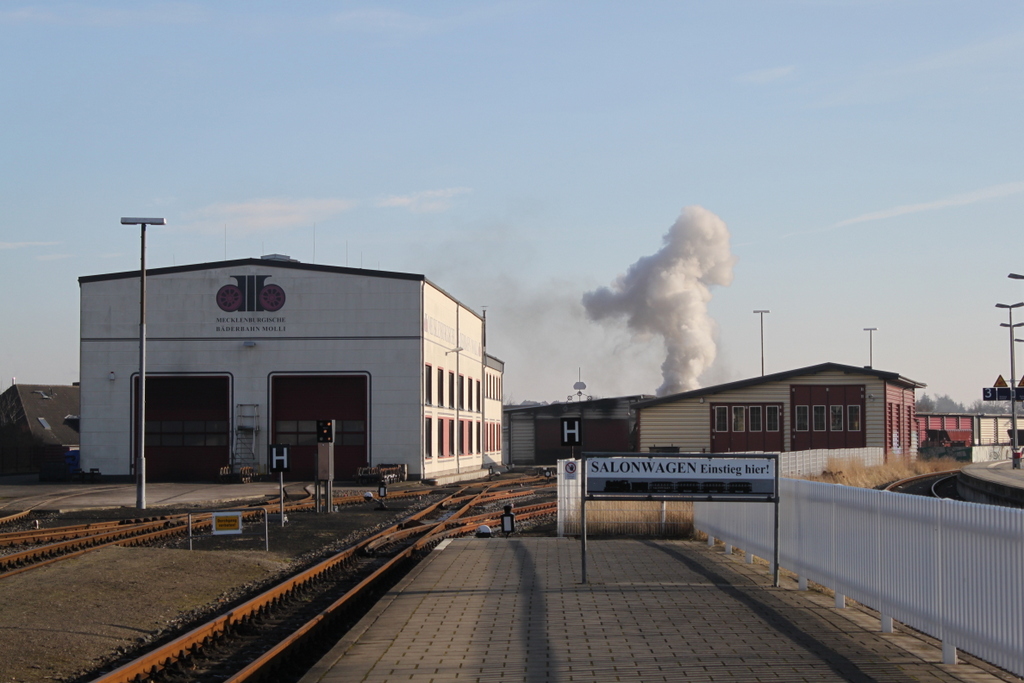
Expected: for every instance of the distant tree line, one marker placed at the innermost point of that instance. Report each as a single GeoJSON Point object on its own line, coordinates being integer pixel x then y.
{"type": "Point", "coordinates": [942, 403]}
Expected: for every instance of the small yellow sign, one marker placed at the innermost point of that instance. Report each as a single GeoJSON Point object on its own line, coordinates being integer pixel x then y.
{"type": "Point", "coordinates": [1000, 382]}
{"type": "Point", "coordinates": [227, 522]}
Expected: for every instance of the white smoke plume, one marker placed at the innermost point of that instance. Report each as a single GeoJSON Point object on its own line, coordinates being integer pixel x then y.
{"type": "Point", "coordinates": [667, 294]}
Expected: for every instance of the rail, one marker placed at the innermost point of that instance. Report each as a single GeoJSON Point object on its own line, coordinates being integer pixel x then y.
{"type": "Point", "coordinates": [454, 522]}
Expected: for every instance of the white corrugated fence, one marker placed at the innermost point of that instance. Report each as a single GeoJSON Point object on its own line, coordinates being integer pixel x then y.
{"type": "Point", "coordinates": [950, 569]}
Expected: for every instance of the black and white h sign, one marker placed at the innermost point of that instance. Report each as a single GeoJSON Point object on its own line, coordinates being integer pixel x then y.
{"type": "Point", "coordinates": [278, 457]}
{"type": "Point", "coordinates": [572, 431]}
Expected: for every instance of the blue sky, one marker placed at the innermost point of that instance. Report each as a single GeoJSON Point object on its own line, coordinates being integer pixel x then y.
{"type": "Point", "coordinates": [866, 157]}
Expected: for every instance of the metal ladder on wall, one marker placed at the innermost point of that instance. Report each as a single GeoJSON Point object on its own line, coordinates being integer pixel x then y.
{"type": "Point", "coordinates": [247, 428]}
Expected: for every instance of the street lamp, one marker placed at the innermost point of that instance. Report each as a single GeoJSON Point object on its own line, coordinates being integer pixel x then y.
{"type": "Point", "coordinates": [762, 338]}
{"type": "Point", "coordinates": [871, 345]}
{"type": "Point", "coordinates": [140, 429]}
{"type": "Point", "coordinates": [1013, 378]}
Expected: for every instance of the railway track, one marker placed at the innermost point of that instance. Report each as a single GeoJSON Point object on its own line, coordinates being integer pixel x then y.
{"type": "Point", "coordinates": [933, 484]}
{"type": "Point", "coordinates": [46, 546]}
{"type": "Point", "coordinates": [275, 635]}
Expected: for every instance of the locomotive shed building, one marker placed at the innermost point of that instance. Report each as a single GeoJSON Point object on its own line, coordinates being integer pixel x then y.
{"type": "Point", "coordinates": [249, 352]}
{"type": "Point", "coordinates": [828, 408]}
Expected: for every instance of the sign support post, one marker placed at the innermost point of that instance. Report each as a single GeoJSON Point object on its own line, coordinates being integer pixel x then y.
{"type": "Point", "coordinates": [279, 463]}
{"type": "Point", "coordinates": [583, 517]}
{"type": "Point", "coordinates": [775, 557]}
{"type": "Point", "coordinates": [281, 495]}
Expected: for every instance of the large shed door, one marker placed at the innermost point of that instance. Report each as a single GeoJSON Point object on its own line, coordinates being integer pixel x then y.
{"type": "Point", "coordinates": [827, 416]}
{"type": "Point", "coordinates": [298, 401]}
{"type": "Point", "coordinates": [746, 427]}
{"type": "Point", "coordinates": [187, 427]}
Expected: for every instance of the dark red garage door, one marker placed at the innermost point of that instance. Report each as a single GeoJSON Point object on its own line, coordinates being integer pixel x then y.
{"type": "Point", "coordinates": [298, 401]}
{"type": "Point", "coordinates": [187, 423]}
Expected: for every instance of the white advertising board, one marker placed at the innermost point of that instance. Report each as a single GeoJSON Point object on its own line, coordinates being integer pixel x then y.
{"type": "Point", "coordinates": [684, 475]}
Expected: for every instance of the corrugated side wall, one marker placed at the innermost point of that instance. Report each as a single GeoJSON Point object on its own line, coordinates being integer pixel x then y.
{"type": "Point", "coordinates": [522, 438]}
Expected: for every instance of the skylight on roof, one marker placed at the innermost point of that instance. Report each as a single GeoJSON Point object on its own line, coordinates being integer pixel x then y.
{"type": "Point", "coordinates": [46, 425]}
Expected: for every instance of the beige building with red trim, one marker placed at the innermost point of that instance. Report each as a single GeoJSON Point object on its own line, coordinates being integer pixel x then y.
{"type": "Point", "coordinates": [822, 407]}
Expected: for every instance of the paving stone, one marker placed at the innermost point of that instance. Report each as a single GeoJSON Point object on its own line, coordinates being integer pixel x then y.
{"type": "Point", "coordinates": [515, 609]}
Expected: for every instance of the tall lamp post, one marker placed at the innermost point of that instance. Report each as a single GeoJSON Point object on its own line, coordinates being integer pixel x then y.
{"type": "Point", "coordinates": [762, 338]}
{"type": "Point", "coordinates": [140, 427]}
{"type": "Point", "coordinates": [871, 345]}
{"type": "Point", "coordinates": [1013, 380]}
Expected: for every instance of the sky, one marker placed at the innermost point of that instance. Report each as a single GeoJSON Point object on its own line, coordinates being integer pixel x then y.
{"type": "Point", "coordinates": [866, 158]}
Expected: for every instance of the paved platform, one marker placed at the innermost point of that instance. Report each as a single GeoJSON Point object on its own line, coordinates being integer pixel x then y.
{"type": "Point", "coordinates": [514, 610]}
{"type": "Point", "coordinates": [992, 483]}
{"type": "Point", "coordinates": [18, 492]}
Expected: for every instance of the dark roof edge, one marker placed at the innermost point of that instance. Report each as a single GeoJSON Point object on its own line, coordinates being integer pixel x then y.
{"type": "Point", "coordinates": [271, 263]}
{"type": "Point", "coordinates": [892, 377]}
{"type": "Point", "coordinates": [540, 406]}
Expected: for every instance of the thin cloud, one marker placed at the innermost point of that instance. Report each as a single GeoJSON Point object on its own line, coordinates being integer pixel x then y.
{"type": "Point", "coordinates": [994, 192]}
{"type": "Point", "coordinates": [25, 245]}
{"type": "Point", "coordinates": [54, 257]}
{"type": "Point", "coordinates": [71, 15]}
{"type": "Point", "coordinates": [428, 201]}
{"type": "Point", "coordinates": [383, 21]}
{"type": "Point", "coordinates": [265, 215]}
{"type": "Point", "coordinates": [963, 69]}
{"type": "Point", "coordinates": [964, 199]}
{"type": "Point", "coordinates": [396, 23]}
{"type": "Point", "coordinates": [764, 76]}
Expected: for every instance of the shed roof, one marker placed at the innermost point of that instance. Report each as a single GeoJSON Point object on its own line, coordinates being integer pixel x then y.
{"type": "Point", "coordinates": [271, 261]}
{"type": "Point", "coordinates": [49, 412]}
{"type": "Point", "coordinates": [890, 377]}
{"type": "Point", "coordinates": [562, 407]}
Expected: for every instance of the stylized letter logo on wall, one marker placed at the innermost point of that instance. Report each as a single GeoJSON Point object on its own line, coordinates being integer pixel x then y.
{"type": "Point", "coordinates": [250, 294]}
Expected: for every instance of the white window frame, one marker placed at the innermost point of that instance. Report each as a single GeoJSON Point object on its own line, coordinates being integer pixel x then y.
{"type": "Point", "coordinates": [815, 412]}
{"type": "Point", "coordinates": [799, 419]}
{"type": "Point", "coordinates": [721, 410]}
{"type": "Point", "coordinates": [850, 421]}
{"type": "Point", "coordinates": [833, 413]}
{"type": "Point", "coordinates": [755, 410]}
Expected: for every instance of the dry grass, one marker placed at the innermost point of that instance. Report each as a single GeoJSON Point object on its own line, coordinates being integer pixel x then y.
{"type": "Point", "coordinates": [636, 518]}
{"type": "Point", "coordinates": [853, 472]}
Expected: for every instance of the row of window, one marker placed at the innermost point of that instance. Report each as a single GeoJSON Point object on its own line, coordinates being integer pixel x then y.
{"type": "Point", "coordinates": [826, 418]}
{"type": "Point", "coordinates": [435, 430]}
{"type": "Point", "coordinates": [805, 418]}
{"type": "Point", "coordinates": [303, 432]}
{"type": "Point", "coordinates": [463, 392]}
{"type": "Point", "coordinates": [493, 387]}
{"type": "Point", "coordinates": [747, 418]}
{"type": "Point", "coordinates": [181, 433]}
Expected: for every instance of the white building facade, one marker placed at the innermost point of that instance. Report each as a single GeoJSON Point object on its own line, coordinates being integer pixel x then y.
{"type": "Point", "coordinates": [245, 353]}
